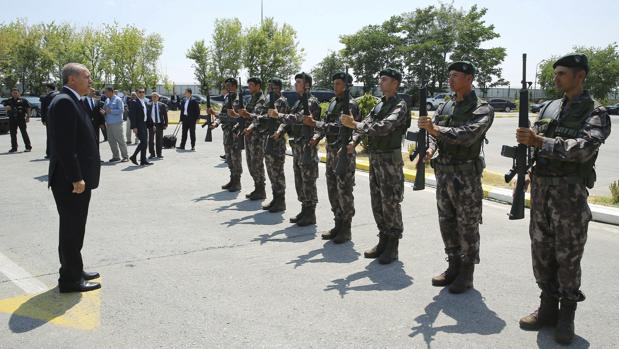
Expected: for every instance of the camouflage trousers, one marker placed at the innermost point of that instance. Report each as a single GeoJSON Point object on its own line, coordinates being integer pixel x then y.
{"type": "Point", "coordinates": [234, 157]}
{"type": "Point", "coordinates": [254, 154]}
{"type": "Point", "coordinates": [340, 188]}
{"type": "Point", "coordinates": [560, 217]}
{"type": "Point", "coordinates": [459, 201]}
{"type": "Point", "coordinates": [387, 191]}
{"type": "Point", "coordinates": [275, 167]}
{"type": "Point", "coordinates": [305, 175]}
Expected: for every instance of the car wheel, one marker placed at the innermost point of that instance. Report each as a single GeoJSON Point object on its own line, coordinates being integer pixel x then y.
{"type": "Point", "coordinates": [429, 106]}
{"type": "Point", "coordinates": [508, 109]}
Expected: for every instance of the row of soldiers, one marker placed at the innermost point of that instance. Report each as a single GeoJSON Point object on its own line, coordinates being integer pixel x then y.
{"type": "Point", "coordinates": [565, 141]}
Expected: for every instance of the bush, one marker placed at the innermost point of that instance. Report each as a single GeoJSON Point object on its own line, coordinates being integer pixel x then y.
{"type": "Point", "coordinates": [614, 191]}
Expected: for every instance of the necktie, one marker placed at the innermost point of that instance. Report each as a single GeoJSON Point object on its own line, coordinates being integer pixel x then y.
{"type": "Point", "coordinates": [156, 112]}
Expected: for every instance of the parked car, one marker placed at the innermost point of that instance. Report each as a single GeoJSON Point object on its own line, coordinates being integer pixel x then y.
{"type": "Point", "coordinates": [536, 107]}
{"type": "Point", "coordinates": [323, 95]}
{"type": "Point", "coordinates": [613, 109]}
{"type": "Point", "coordinates": [4, 120]}
{"type": "Point", "coordinates": [35, 105]}
{"type": "Point", "coordinates": [500, 104]}
{"type": "Point", "coordinates": [433, 102]}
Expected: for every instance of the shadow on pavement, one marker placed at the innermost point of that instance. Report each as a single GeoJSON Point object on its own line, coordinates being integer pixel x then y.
{"type": "Point", "coordinates": [293, 233]}
{"type": "Point", "coordinates": [260, 218]}
{"type": "Point", "coordinates": [545, 339]}
{"type": "Point", "coordinates": [41, 309]}
{"type": "Point", "coordinates": [42, 178]}
{"type": "Point", "coordinates": [330, 252]}
{"type": "Point", "coordinates": [468, 310]}
{"type": "Point", "coordinates": [391, 277]}
{"type": "Point", "coordinates": [223, 195]}
{"type": "Point", "coordinates": [245, 205]}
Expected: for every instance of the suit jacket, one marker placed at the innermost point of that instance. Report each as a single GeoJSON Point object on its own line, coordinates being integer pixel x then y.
{"type": "Point", "coordinates": [45, 101]}
{"type": "Point", "coordinates": [193, 111]}
{"type": "Point", "coordinates": [94, 113]}
{"type": "Point", "coordinates": [163, 112]}
{"type": "Point", "coordinates": [74, 152]}
{"type": "Point", "coordinates": [136, 114]}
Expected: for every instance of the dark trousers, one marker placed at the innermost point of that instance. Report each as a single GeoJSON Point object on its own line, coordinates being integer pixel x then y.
{"type": "Point", "coordinates": [47, 141]}
{"type": "Point", "coordinates": [103, 132]}
{"type": "Point", "coordinates": [20, 123]}
{"type": "Point", "coordinates": [141, 148]}
{"type": "Point", "coordinates": [155, 140]}
{"type": "Point", "coordinates": [191, 127]}
{"type": "Point", "coordinates": [73, 212]}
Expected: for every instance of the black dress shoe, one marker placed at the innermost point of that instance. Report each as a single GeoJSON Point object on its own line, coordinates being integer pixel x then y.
{"type": "Point", "coordinates": [78, 286]}
{"type": "Point", "coordinates": [223, 157]}
{"type": "Point", "coordinates": [134, 160]}
{"type": "Point", "coordinates": [12, 150]}
{"type": "Point", "coordinates": [146, 163]}
{"type": "Point", "coordinates": [90, 275]}
{"type": "Point", "coordinates": [152, 157]}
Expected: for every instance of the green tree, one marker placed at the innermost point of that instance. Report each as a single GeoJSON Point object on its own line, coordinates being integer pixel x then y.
{"type": "Point", "coordinates": [227, 49]}
{"type": "Point", "coordinates": [199, 54]}
{"type": "Point", "coordinates": [325, 69]}
{"type": "Point", "coordinates": [272, 50]}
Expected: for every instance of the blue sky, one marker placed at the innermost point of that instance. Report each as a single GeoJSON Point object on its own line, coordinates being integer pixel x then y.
{"type": "Point", "coordinates": [539, 28]}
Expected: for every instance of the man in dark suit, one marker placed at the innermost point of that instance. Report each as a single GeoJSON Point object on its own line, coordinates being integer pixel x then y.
{"type": "Point", "coordinates": [190, 113]}
{"type": "Point", "coordinates": [158, 115]}
{"type": "Point", "coordinates": [74, 170]}
{"type": "Point", "coordinates": [140, 123]}
{"type": "Point", "coordinates": [45, 101]}
{"type": "Point", "coordinates": [93, 108]}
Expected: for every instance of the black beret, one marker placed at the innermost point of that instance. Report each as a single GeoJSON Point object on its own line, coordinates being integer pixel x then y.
{"type": "Point", "coordinates": [347, 78]}
{"type": "Point", "coordinates": [276, 81]}
{"type": "Point", "coordinates": [231, 81]}
{"type": "Point", "coordinates": [255, 80]}
{"type": "Point", "coordinates": [573, 60]}
{"type": "Point", "coordinates": [304, 76]}
{"type": "Point", "coordinates": [392, 73]}
{"type": "Point", "coordinates": [465, 67]}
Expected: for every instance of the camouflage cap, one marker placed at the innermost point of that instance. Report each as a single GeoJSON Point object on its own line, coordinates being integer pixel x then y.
{"type": "Point", "coordinates": [392, 73]}
{"type": "Point", "coordinates": [465, 67]}
{"type": "Point", "coordinates": [276, 81]}
{"type": "Point", "coordinates": [347, 78]}
{"type": "Point", "coordinates": [573, 60]}
{"type": "Point", "coordinates": [255, 80]}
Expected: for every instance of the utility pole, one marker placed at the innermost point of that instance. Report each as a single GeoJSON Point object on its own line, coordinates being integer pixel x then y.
{"type": "Point", "coordinates": [261, 12]}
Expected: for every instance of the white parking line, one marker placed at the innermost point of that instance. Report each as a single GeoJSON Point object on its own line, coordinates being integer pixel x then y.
{"type": "Point", "coordinates": [20, 277]}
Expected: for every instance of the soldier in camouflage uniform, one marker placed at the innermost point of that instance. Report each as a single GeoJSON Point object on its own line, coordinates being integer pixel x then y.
{"type": "Point", "coordinates": [231, 145]}
{"type": "Point", "coordinates": [275, 145]}
{"type": "Point", "coordinates": [304, 153]}
{"type": "Point", "coordinates": [385, 127]}
{"type": "Point", "coordinates": [339, 187]}
{"type": "Point", "coordinates": [566, 138]}
{"type": "Point", "coordinates": [254, 141]}
{"type": "Point", "coordinates": [458, 132]}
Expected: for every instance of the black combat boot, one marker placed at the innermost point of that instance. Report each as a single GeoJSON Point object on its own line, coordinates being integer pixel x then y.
{"type": "Point", "coordinates": [464, 280]}
{"type": "Point", "coordinates": [344, 234]}
{"type": "Point", "coordinates": [564, 332]}
{"type": "Point", "coordinates": [376, 251]}
{"type": "Point", "coordinates": [235, 184]}
{"type": "Point", "coordinates": [546, 315]}
{"type": "Point", "coordinates": [278, 204]}
{"type": "Point", "coordinates": [299, 215]}
{"type": "Point", "coordinates": [449, 275]}
{"type": "Point", "coordinates": [309, 218]}
{"type": "Point", "coordinates": [269, 205]}
{"type": "Point", "coordinates": [258, 194]}
{"type": "Point", "coordinates": [330, 235]}
{"type": "Point", "coordinates": [227, 185]}
{"type": "Point", "coordinates": [390, 253]}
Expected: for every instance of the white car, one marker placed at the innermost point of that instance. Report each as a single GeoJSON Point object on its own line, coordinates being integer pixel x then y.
{"type": "Point", "coordinates": [433, 102]}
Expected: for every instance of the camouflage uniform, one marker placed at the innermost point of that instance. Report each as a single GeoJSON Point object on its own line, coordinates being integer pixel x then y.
{"type": "Point", "coordinates": [254, 144]}
{"type": "Point", "coordinates": [305, 174]}
{"type": "Point", "coordinates": [385, 127]}
{"type": "Point", "coordinates": [458, 169]}
{"type": "Point", "coordinates": [233, 151]}
{"type": "Point", "coordinates": [276, 156]}
{"type": "Point", "coordinates": [564, 168]}
{"type": "Point", "coordinates": [339, 188]}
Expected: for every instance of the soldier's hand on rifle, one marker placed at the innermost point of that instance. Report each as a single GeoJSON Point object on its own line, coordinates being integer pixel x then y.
{"type": "Point", "coordinates": [350, 148]}
{"type": "Point", "coordinates": [527, 136]}
{"type": "Point", "coordinates": [210, 111]}
{"type": "Point", "coordinates": [232, 113]}
{"type": "Point", "coordinates": [273, 113]}
{"type": "Point", "coordinates": [426, 123]}
{"type": "Point", "coordinates": [348, 121]}
{"type": "Point", "coordinates": [429, 153]}
{"type": "Point", "coordinates": [308, 120]}
{"type": "Point", "coordinates": [276, 135]}
{"type": "Point", "coordinates": [313, 142]}
{"type": "Point", "coordinates": [244, 113]}
{"type": "Point", "coordinates": [248, 131]}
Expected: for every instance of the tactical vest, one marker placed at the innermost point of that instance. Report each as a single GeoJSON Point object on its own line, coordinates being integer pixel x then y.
{"type": "Point", "coordinates": [392, 141]}
{"type": "Point", "coordinates": [332, 127]}
{"type": "Point", "coordinates": [553, 123]}
{"type": "Point", "coordinates": [446, 117]}
{"type": "Point", "coordinates": [296, 130]}
{"type": "Point", "coordinates": [251, 105]}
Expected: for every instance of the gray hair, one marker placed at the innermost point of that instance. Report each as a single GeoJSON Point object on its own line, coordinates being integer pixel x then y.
{"type": "Point", "coordinates": [71, 69]}
{"type": "Point", "coordinates": [155, 94]}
